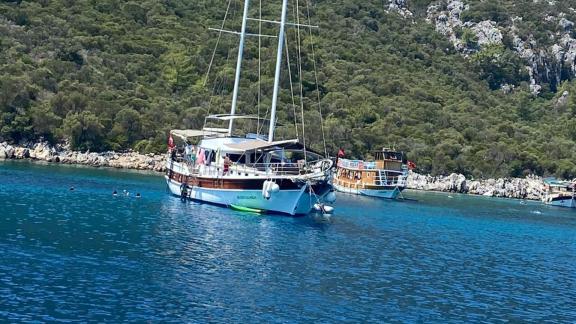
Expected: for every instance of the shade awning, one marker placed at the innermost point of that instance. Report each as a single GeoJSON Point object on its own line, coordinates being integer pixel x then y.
{"type": "Point", "coordinates": [258, 144]}
{"type": "Point", "coordinates": [184, 134]}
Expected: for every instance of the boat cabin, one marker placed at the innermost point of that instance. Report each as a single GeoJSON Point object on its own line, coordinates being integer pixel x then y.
{"type": "Point", "coordinates": [389, 160]}
{"type": "Point", "coordinates": [213, 147]}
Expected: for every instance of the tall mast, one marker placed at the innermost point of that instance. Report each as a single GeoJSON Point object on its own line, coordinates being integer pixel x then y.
{"type": "Point", "coordinates": [277, 73]}
{"type": "Point", "coordinates": [238, 65]}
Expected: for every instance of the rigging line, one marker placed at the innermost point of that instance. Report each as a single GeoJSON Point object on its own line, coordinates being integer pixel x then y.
{"type": "Point", "coordinates": [217, 41]}
{"type": "Point", "coordinates": [291, 88]}
{"type": "Point", "coordinates": [220, 84]}
{"type": "Point", "coordinates": [300, 78]}
{"type": "Point", "coordinates": [316, 79]}
{"type": "Point", "coordinates": [224, 78]}
{"type": "Point", "coordinates": [259, 68]}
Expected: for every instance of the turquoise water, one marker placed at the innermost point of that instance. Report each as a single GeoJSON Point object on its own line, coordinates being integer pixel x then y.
{"type": "Point", "coordinates": [84, 255]}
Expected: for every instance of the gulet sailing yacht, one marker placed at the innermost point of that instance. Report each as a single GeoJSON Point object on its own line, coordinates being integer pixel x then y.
{"type": "Point", "coordinates": [250, 171]}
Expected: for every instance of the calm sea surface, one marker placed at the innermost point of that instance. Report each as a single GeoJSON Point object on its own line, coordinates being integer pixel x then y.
{"type": "Point", "coordinates": [84, 255]}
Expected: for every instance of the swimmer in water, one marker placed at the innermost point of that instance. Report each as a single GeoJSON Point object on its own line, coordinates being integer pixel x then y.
{"type": "Point", "coordinates": [138, 195]}
{"type": "Point", "coordinates": [72, 188]}
{"type": "Point", "coordinates": [114, 193]}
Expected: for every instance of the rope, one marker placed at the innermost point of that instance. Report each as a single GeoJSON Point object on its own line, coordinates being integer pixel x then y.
{"type": "Point", "coordinates": [217, 41]}
{"type": "Point", "coordinates": [300, 79]}
{"type": "Point", "coordinates": [219, 85]}
{"type": "Point", "coordinates": [259, 69]}
{"type": "Point", "coordinates": [291, 87]}
{"type": "Point", "coordinates": [316, 78]}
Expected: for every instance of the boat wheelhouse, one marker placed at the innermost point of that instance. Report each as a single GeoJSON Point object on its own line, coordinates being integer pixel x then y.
{"type": "Point", "coordinates": [560, 193]}
{"type": "Point", "coordinates": [384, 177]}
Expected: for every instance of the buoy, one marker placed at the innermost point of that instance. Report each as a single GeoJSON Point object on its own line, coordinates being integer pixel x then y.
{"type": "Point", "coordinates": [330, 197]}
{"type": "Point", "coordinates": [325, 209]}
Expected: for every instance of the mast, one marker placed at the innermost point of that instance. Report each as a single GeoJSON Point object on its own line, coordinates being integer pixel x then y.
{"type": "Point", "coordinates": [239, 65]}
{"type": "Point", "coordinates": [277, 73]}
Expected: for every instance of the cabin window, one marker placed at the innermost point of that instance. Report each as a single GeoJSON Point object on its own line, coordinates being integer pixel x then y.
{"type": "Point", "coordinates": [237, 158]}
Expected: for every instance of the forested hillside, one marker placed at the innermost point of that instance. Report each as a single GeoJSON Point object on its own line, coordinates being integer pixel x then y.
{"type": "Point", "coordinates": [115, 75]}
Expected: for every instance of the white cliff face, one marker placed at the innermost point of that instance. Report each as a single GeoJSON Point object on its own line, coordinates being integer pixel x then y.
{"type": "Point", "coordinates": [448, 21]}
{"type": "Point", "coordinates": [399, 6]}
{"type": "Point", "coordinates": [487, 33]}
{"type": "Point", "coordinates": [565, 52]}
{"type": "Point", "coordinates": [544, 64]}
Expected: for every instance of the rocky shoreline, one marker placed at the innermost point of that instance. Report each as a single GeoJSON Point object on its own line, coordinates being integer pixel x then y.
{"type": "Point", "coordinates": [531, 187]}
{"type": "Point", "coordinates": [60, 154]}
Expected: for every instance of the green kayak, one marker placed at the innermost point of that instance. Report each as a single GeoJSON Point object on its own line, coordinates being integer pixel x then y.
{"type": "Point", "coordinates": [247, 209]}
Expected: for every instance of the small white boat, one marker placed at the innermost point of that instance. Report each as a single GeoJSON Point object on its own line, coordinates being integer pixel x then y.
{"type": "Point", "coordinates": [560, 193]}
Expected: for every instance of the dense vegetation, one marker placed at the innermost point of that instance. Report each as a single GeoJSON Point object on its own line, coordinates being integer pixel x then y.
{"type": "Point", "coordinates": [105, 74]}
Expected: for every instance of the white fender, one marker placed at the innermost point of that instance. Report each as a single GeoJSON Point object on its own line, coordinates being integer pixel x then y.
{"type": "Point", "coordinates": [266, 189]}
{"type": "Point", "coordinates": [325, 209]}
{"type": "Point", "coordinates": [274, 187]}
{"type": "Point", "coordinates": [264, 185]}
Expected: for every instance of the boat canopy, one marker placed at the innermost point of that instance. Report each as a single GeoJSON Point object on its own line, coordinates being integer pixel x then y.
{"type": "Point", "coordinates": [185, 134]}
{"type": "Point", "coordinates": [259, 144]}
{"type": "Point", "coordinates": [553, 182]}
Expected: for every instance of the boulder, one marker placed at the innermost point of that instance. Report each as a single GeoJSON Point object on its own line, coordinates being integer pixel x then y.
{"type": "Point", "coordinates": [21, 153]}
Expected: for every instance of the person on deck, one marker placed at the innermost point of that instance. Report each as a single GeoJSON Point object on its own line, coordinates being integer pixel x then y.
{"type": "Point", "coordinates": [227, 164]}
{"type": "Point", "coordinates": [188, 151]}
{"type": "Point", "coordinates": [193, 155]}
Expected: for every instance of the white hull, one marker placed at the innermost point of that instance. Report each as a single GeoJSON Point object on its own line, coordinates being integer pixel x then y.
{"type": "Point", "coordinates": [568, 202]}
{"type": "Point", "coordinates": [292, 202]}
{"type": "Point", "coordinates": [380, 193]}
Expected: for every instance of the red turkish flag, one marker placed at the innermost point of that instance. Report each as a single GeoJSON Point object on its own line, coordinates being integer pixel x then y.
{"type": "Point", "coordinates": [341, 153]}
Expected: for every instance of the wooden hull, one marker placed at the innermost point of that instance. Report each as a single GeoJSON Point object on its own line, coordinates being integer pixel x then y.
{"type": "Point", "coordinates": [380, 192]}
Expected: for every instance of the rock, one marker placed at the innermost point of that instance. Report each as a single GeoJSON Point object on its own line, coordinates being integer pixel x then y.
{"type": "Point", "coordinates": [6, 151]}
{"type": "Point", "coordinates": [446, 22]}
{"type": "Point", "coordinates": [487, 33]}
{"type": "Point", "coordinates": [563, 100]}
{"type": "Point", "coordinates": [529, 188]}
{"type": "Point", "coordinates": [507, 88]}
{"type": "Point", "coordinates": [399, 6]}
{"type": "Point", "coordinates": [566, 24]}
{"type": "Point", "coordinates": [21, 153]}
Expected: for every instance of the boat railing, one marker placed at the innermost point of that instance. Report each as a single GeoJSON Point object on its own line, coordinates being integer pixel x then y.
{"type": "Point", "coordinates": [390, 180]}
{"type": "Point", "coordinates": [356, 164]}
{"type": "Point", "coordinates": [363, 165]}
{"type": "Point", "coordinates": [251, 169]}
